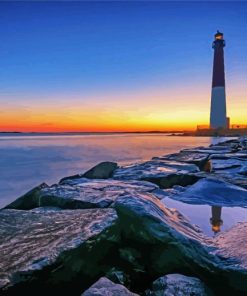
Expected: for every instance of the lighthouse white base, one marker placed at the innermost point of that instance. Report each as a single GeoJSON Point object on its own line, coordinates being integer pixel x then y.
{"type": "Point", "coordinates": [218, 108]}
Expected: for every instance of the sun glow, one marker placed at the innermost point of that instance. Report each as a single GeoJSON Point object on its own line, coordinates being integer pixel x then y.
{"type": "Point", "coordinates": [152, 110]}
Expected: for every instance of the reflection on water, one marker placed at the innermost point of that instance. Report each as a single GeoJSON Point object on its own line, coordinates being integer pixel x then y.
{"type": "Point", "coordinates": [216, 220]}
{"type": "Point", "coordinates": [209, 219]}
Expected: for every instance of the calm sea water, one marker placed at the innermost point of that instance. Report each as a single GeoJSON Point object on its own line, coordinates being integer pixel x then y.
{"type": "Point", "coordinates": [28, 160]}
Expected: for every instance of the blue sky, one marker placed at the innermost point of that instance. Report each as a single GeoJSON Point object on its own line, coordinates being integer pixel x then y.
{"type": "Point", "coordinates": [62, 50]}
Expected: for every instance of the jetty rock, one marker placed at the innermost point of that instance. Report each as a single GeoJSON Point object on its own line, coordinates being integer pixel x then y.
{"type": "Point", "coordinates": [209, 191]}
{"type": "Point", "coordinates": [102, 170]}
{"type": "Point", "coordinates": [54, 251]}
{"type": "Point", "coordinates": [160, 240]}
{"type": "Point", "coordinates": [179, 285]}
{"type": "Point", "coordinates": [216, 149]}
{"type": "Point", "coordinates": [199, 159]}
{"type": "Point", "coordinates": [232, 244]}
{"type": "Point", "coordinates": [79, 193]}
{"type": "Point", "coordinates": [105, 287]}
{"type": "Point", "coordinates": [164, 173]}
{"type": "Point", "coordinates": [229, 165]}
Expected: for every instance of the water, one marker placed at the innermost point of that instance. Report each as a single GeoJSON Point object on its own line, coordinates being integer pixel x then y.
{"type": "Point", "coordinates": [201, 215]}
{"type": "Point", "coordinates": [28, 160]}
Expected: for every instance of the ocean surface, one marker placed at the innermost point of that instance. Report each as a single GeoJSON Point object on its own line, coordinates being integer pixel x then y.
{"type": "Point", "coordinates": [27, 160]}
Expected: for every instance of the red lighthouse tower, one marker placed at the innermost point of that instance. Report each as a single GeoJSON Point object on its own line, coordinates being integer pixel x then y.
{"type": "Point", "coordinates": [218, 118]}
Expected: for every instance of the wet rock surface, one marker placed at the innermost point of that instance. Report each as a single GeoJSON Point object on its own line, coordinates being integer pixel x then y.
{"type": "Point", "coordinates": [211, 191]}
{"type": "Point", "coordinates": [104, 287]}
{"type": "Point", "coordinates": [199, 159]}
{"type": "Point", "coordinates": [70, 236]}
{"type": "Point", "coordinates": [102, 170]}
{"type": "Point", "coordinates": [51, 249]}
{"type": "Point", "coordinates": [232, 244]}
{"type": "Point", "coordinates": [164, 173]}
{"type": "Point", "coordinates": [179, 285]}
{"type": "Point", "coordinates": [79, 193]}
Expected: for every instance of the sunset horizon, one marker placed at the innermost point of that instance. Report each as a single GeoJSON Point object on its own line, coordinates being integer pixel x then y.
{"type": "Point", "coordinates": [75, 71]}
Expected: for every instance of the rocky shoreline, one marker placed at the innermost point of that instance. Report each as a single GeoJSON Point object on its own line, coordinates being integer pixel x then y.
{"type": "Point", "coordinates": [109, 232]}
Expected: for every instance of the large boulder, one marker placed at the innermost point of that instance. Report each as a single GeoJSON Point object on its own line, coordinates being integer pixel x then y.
{"type": "Point", "coordinates": [80, 193]}
{"type": "Point", "coordinates": [66, 251]}
{"type": "Point", "coordinates": [29, 200]}
{"type": "Point", "coordinates": [232, 244]}
{"type": "Point", "coordinates": [242, 155]}
{"type": "Point", "coordinates": [214, 192]}
{"type": "Point", "coordinates": [199, 159]}
{"type": "Point", "coordinates": [178, 285]}
{"type": "Point", "coordinates": [103, 170]}
{"type": "Point", "coordinates": [229, 166]}
{"type": "Point", "coordinates": [164, 173]}
{"type": "Point", "coordinates": [216, 149]}
{"type": "Point", "coordinates": [55, 251]}
{"type": "Point", "coordinates": [158, 240]}
{"type": "Point", "coordinates": [105, 287]}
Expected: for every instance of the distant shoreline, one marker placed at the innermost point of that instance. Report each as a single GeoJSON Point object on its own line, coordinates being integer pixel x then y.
{"type": "Point", "coordinates": [90, 133]}
{"type": "Point", "coordinates": [167, 133]}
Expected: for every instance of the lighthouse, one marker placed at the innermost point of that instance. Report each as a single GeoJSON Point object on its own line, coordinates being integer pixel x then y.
{"type": "Point", "coordinates": [218, 118]}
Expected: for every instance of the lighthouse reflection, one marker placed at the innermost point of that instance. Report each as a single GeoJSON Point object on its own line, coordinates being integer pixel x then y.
{"type": "Point", "coordinates": [216, 220]}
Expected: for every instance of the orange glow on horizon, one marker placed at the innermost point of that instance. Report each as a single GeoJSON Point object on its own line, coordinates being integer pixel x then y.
{"type": "Point", "coordinates": [146, 111]}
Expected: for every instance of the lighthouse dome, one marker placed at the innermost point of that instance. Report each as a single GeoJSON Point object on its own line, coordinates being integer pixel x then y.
{"type": "Point", "coordinates": [218, 36]}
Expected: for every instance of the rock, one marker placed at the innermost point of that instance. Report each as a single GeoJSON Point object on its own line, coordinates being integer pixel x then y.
{"type": "Point", "coordinates": [199, 159]}
{"type": "Point", "coordinates": [173, 179]}
{"type": "Point", "coordinates": [111, 184]}
{"type": "Point", "coordinates": [213, 192]}
{"type": "Point", "coordinates": [54, 251]}
{"type": "Point", "coordinates": [29, 200]}
{"type": "Point", "coordinates": [216, 149]}
{"type": "Point", "coordinates": [229, 166]}
{"type": "Point", "coordinates": [231, 244]}
{"type": "Point", "coordinates": [236, 180]}
{"type": "Point", "coordinates": [161, 240]}
{"type": "Point", "coordinates": [148, 209]}
{"type": "Point", "coordinates": [80, 193]}
{"type": "Point", "coordinates": [164, 173]}
{"type": "Point", "coordinates": [63, 251]}
{"type": "Point", "coordinates": [105, 287]}
{"type": "Point", "coordinates": [232, 178]}
{"type": "Point", "coordinates": [118, 276]}
{"type": "Point", "coordinates": [178, 285]}
{"type": "Point", "coordinates": [103, 170]}
{"type": "Point", "coordinates": [238, 155]}
{"type": "Point", "coordinates": [169, 192]}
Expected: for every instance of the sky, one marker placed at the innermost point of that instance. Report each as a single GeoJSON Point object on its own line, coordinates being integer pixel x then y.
{"type": "Point", "coordinates": [117, 66]}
